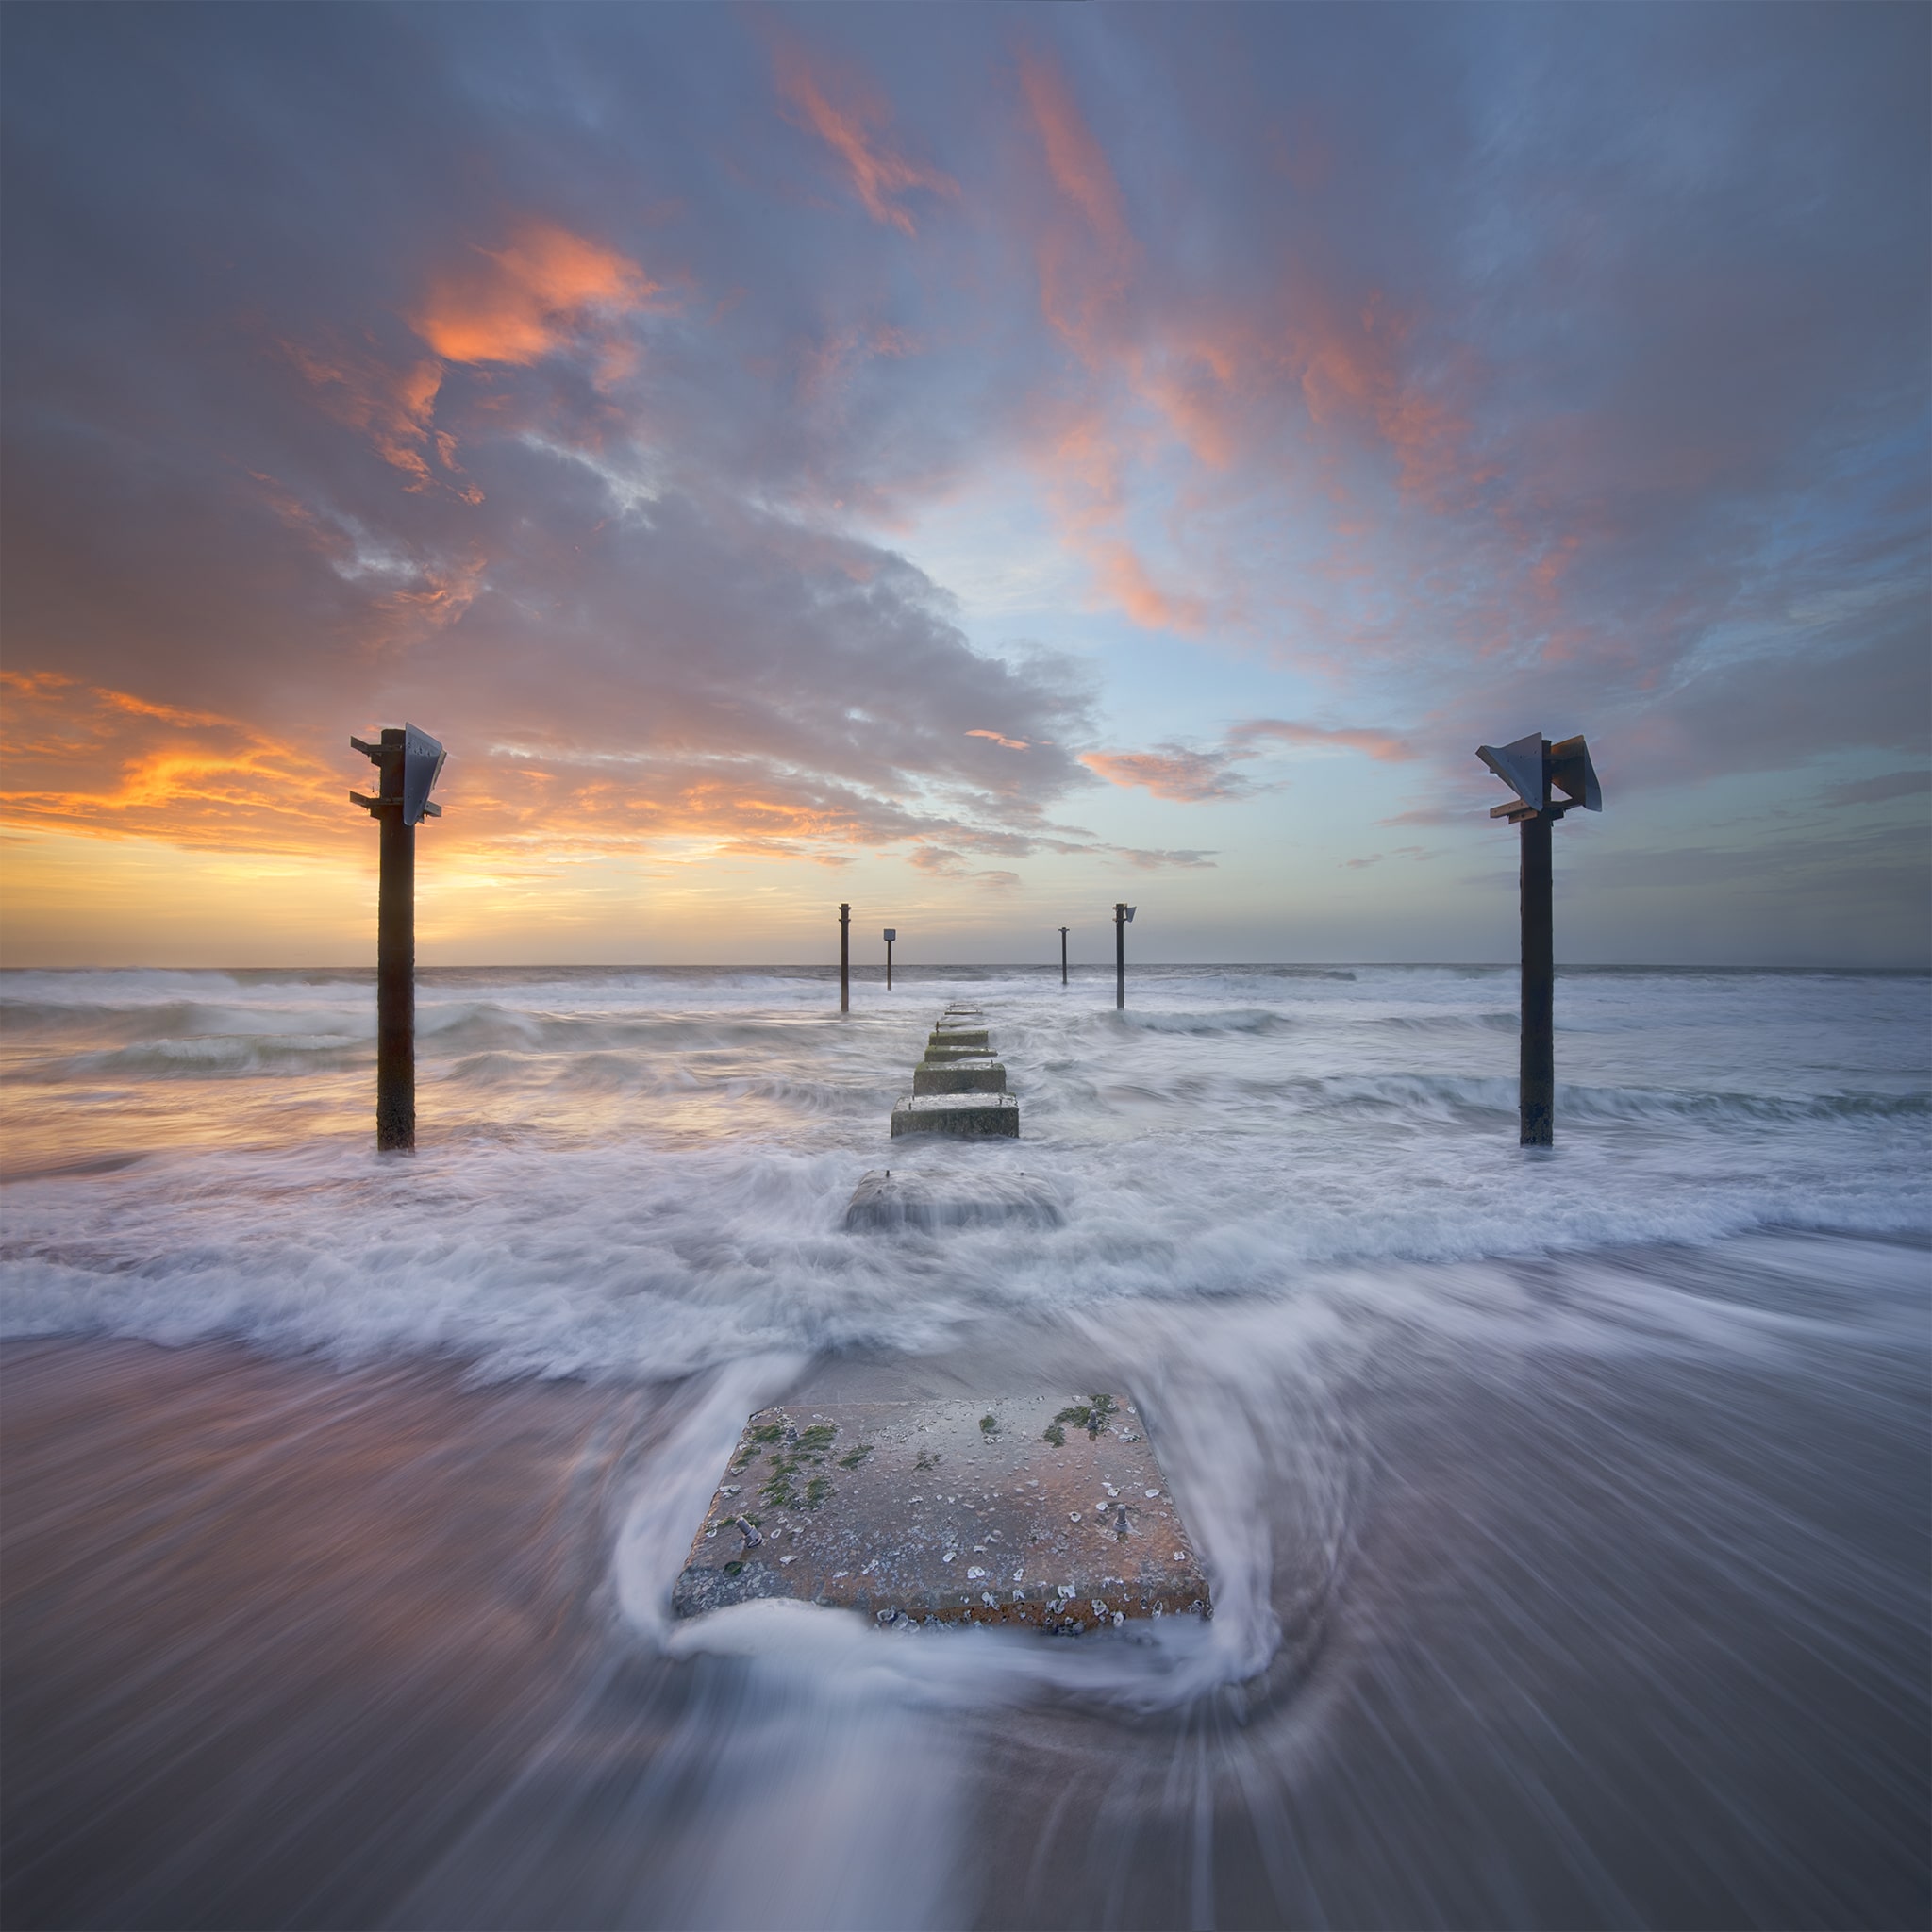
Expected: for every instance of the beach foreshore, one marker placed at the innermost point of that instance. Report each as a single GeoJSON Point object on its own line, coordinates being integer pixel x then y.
{"type": "Point", "coordinates": [1571, 1637]}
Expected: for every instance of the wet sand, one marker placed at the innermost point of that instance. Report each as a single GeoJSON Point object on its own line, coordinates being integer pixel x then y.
{"type": "Point", "coordinates": [1640, 1642]}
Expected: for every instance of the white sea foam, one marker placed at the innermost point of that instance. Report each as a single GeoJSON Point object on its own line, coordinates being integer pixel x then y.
{"type": "Point", "coordinates": [645, 1174]}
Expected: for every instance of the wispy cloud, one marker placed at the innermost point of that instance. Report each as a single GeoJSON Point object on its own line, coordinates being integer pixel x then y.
{"type": "Point", "coordinates": [845, 113]}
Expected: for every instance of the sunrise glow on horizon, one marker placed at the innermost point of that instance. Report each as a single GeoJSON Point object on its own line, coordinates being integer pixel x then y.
{"type": "Point", "coordinates": [974, 463]}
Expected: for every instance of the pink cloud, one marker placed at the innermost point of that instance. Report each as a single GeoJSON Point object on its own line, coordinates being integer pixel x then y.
{"type": "Point", "coordinates": [1172, 771]}
{"type": "Point", "coordinates": [849, 127]}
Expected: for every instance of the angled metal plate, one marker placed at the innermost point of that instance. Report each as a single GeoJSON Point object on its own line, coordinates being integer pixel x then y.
{"type": "Point", "coordinates": [1519, 765]}
{"type": "Point", "coordinates": [421, 766]}
{"type": "Point", "coordinates": [1573, 773]}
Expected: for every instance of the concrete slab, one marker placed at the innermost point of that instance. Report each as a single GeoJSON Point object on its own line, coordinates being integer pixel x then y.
{"type": "Point", "coordinates": [888, 1199]}
{"type": "Point", "coordinates": [959, 1076]}
{"type": "Point", "coordinates": [961, 1036]}
{"type": "Point", "coordinates": [972, 1115]}
{"type": "Point", "coordinates": [1041, 1509]}
{"type": "Point", "coordinates": [936, 1056]}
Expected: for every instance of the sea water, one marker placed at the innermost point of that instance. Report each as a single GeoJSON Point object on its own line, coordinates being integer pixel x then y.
{"type": "Point", "coordinates": [1566, 1510]}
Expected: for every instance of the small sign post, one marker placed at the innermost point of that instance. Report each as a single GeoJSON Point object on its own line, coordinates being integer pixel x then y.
{"type": "Point", "coordinates": [1531, 767]}
{"type": "Point", "coordinates": [1122, 914]}
{"type": "Point", "coordinates": [409, 762]}
{"type": "Point", "coordinates": [844, 959]}
{"type": "Point", "coordinates": [892, 933]}
{"type": "Point", "coordinates": [1063, 955]}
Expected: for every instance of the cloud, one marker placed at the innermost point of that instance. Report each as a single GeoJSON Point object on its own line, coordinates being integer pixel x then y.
{"type": "Point", "coordinates": [1171, 772]}
{"type": "Point", "coordinates": [80, 758]}
{"type": "Point", "coordinates": [1875, 790]}
{"type": "Point", "coordinates": [1417, 852]}
{"type": "Point", "coordinates": [516, 303]}
{"type": "Point", "coordinates": [1385, 745]}
{"type": "Point", "coordinates": [1156, 861]}
{"type": "Point", "coordinates": [393, 407]}
{"type": "Point", "coordinates": [1177, 771]}
{"type": "Point", "coordinates": [1557, 369]}
{"type": "Point", "coordinates": [879, 176]}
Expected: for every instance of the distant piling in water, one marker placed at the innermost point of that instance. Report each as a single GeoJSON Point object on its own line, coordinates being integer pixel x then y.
{"type": "Point", "coordinates": [844, 959]}
{"type": "Point", "coordinates": [1122, 915]}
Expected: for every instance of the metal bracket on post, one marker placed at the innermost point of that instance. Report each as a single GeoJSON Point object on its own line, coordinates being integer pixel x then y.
{"type": "Point", "coordinates": [409, 762]}
{"type": "Point", "coordinates": [1534, 769]}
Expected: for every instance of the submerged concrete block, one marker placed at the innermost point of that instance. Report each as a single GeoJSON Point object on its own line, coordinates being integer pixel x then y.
{"type": "Point", "coordinates": [941, 1056]}
{"type": "Point", "coordinates": [959, 1076]}
{"type": "Point", "coordinates": [928, 1199]}
{"type": "Point", "coordinates": [961, 1035]}
{"type": "Point", "coordinates": [969, 1115]}
{"type": "Point", "coordinates": [1036, 1509]}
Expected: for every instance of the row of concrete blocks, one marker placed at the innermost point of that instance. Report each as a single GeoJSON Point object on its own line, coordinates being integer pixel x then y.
{"type": "Point", "coordinates": [959, 1088]}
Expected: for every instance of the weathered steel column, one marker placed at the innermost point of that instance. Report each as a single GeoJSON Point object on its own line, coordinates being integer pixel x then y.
{"type": "Point", "coordinates": [892, 933]}
{"type": "Point", "coordinates": [1063, 955]}
{"type": "Point", "coordinates": [844, 959]}
{"type": "Point", "coordinates": [1536, 769]}
{"type": "Point", "coordinates": [1120, 957]}
{"type": "Point", "coordinates": [409, 762]}
{"type": "Point", "coordinates": [395, 963]}
{"type": "Point", "coordinates": [1536, 1077]}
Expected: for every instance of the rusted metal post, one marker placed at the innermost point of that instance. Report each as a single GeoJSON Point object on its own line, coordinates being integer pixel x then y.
{"type": "Point", "coordinates": [1121, 915]}
{"type": "Point", "coordinates": [1536, 1077]}
{"type": "Point", "coordinates": [892, 933]}
{"type": "Point", "coordinates": [844, 959]}
{"type": "Point", "coordinates": [1063, 955]}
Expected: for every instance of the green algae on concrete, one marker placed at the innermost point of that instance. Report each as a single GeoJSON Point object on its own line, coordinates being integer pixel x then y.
{"type": "Point", "coordinates": [943, 1521]}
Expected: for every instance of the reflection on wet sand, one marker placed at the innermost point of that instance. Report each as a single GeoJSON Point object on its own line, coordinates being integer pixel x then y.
{"type": "Point", "coordinates": [1631, 1632]}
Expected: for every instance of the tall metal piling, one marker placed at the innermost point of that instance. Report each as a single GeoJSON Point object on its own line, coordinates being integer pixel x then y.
{"type": "Point", "coordinates": [395, 962]}
{"type": "Point", "coordinates": [1537, 1075]}
{"type": "Point", "coordinates": [408, 763]}
{"type": "Point", "coordinates": [1536, 771]}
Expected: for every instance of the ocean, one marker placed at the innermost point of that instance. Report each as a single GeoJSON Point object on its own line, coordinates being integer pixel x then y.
{"type": "Point", "coordinates": [1568, 1512]}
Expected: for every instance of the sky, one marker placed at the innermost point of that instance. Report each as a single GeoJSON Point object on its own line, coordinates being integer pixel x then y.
{"type": "Point", "coordinates": [976, 463]}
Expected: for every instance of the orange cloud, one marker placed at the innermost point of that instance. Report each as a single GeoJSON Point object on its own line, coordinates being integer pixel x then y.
{"type": "Point", "coordinates": [1007, 743]}
{"type": "Point", "coordinates": [393, 406]}
{"type": "Point", "coordinates": [878, 175]}
{"type": "Point", "coordinates": [80, 758]}
{"type": "Point", "coordinates": [523, 301]}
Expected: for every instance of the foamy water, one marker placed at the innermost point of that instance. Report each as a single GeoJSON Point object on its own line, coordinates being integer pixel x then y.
{"type": "Point", "coordinates": [645, 1174]}
{"type": "Point", "coordinates": [1456, 1426]}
